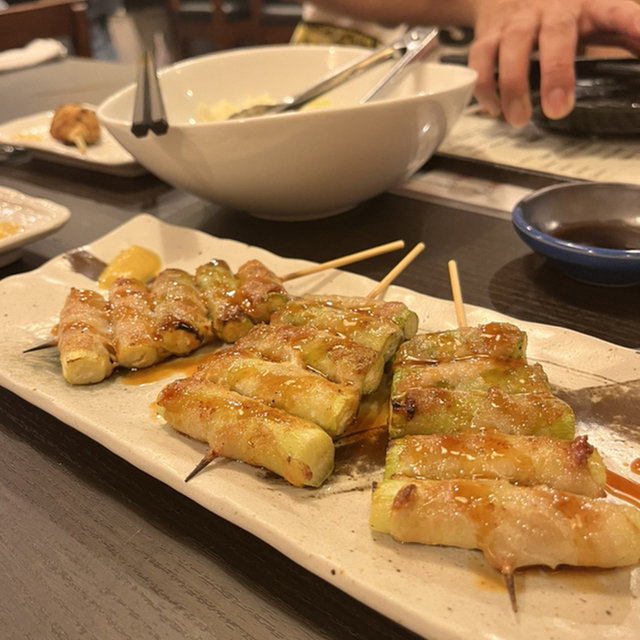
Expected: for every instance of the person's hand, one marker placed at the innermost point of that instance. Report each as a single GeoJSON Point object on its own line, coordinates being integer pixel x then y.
{"type": "Point", "coordinates": [507, 31]}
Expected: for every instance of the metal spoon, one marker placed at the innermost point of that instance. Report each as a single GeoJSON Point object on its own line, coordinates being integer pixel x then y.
{"type": "Point", "coordinates": [403, 45]}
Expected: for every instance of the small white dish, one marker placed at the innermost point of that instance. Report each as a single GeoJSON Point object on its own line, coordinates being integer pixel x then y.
{"type": "Point", "coordinates": [105, 156]}
{"type": "Point", "coordinates": [35, 218]}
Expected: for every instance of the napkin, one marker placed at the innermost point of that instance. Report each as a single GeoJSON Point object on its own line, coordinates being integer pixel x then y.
{"type": "Point", "coordinates": [34, 53]}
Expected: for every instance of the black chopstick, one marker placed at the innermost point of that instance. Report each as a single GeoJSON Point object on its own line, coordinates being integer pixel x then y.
{"type": "Point", "coordinates": [148, 112]}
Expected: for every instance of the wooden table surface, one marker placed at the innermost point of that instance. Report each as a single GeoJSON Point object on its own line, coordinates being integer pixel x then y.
{"type": "Point", "coordinates": [92, 547]}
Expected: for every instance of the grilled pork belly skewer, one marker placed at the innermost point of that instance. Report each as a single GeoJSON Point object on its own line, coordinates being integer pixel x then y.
{"type": "Point", "coordinates": [260, 291]}
{"type": "Point", "coordinates": [245, 429]}
{"type": "Point", "coordinates": [181, 314]}
{"type": "Point", "coordinates": [182, 303]}
{"type": "Point", "coordinates": [133, 325]}
{"type": "Point", "coordinates": [504, 394]}
{"type": "Point", "coordinates": [285, 385]}
{"type": "Point", "coordinates": [336, 357]}
{"type": "Point", "coordinates": [380, 334]}
{"type": "Point", "coordinates": [219, 289]}
{"type": "Point", "coordinates": [447, 411]}
{"type": "Point", "coordinates": [514, 527]}
{"type": "Point", "coordinates": [497, 340]}
{"type": "Point", "coordinates": [406, 319]}
{"type": "Point", "coordinates": [474, 374]}
{"type": "Point", "coordinates": [84, 338]}
{"type": "Point", "coordinates": [529, 461]}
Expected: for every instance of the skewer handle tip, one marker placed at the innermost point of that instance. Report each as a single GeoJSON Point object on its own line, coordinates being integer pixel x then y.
{"type": "Point", "coordinates": [457, 293]}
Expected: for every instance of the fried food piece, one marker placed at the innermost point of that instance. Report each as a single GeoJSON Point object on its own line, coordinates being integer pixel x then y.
{"type": "Point", "coordinates": [333, 355]}
{"type": "Point", "coordinates": [567, 466]}
{"type": "Point", "coordinates": [513, 526]}
{"type": "Point", "coordinates": [497, 340]}
{"type": "Point", "coordinates": [84, 338]}
{"type": "Point", "coordinates": [260, 291]}
{"type": "Point", "coordinates": [287, 386]}
{"type": "Point", "coordinates": [133, 325]}
{"type": "Point", "coordinates": [74, 124]}
{"type": "Point", "coordinates": [219, 289]}
{"type": "Point", "coordinates": [245, 429]}
{"type": "Point", "coordinates": [181, 314]}
{"type": "Point", "coordinates": [431, 410]}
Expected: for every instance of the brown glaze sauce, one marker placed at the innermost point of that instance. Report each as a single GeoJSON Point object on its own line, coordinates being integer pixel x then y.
{"type": "Point", "coordinates": [622, 488]}
{"type": "Point", "coordinates": [184, 366]}
{"type": "Point", "coordinates": [635, 466]}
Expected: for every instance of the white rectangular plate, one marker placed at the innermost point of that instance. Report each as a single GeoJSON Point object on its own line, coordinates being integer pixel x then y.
{"type": "Point", "coordinates": [35, 217]}
{"type": "Point", "coordinates": [440, 593]}
{"type": "Point", "coordinates": [105, 156]}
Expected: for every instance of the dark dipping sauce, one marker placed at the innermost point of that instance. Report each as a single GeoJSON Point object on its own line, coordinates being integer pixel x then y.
{"type": "Point", "coordinates": [604, 235]}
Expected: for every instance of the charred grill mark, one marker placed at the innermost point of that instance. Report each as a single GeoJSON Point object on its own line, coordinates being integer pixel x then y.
{"type": "Point", "coordinates": [581, 450]}
{"type": "Point", "coordinates": [404, 498]}
{"type": "Point", "coordinates": [405, 407]}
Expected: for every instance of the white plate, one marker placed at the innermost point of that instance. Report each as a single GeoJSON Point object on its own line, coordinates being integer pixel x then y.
{"type": "Point", "coordinates": [440, 593]}
{"type": "Point", "coordinates": [105, 156]}
{"type": "Point", "coordinates": [35, 217]}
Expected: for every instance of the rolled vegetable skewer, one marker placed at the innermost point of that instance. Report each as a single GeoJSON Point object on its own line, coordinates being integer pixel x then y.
{"type": "Point", "coordinates": [567, 466]}
{"type": "Point", "coordinates": [84, 338]}
{"type": "Point", "coordinates": [287, 386]}
{"type": "Point", "coordinates": [219, 289]}
{"type": "Point", "coordinates": [380, 334]}
{"type": "Point", "coordinates": [245, 429]}
{"type": "Point", "coordinates": [333, 355]}
{"type": "Point", "coordinates": [133, 325]}
{"type": "Point", "coordinates": [260, 291]}
{"type": "Point", "coordinates": [473, 374]}
{"type": "Point", "coordinates": [497, 340]}
{"type": "Point", "coordinates": [406, 319]}
{"type": "Point", "coordinates": [432, 410]}
{"type": "Point", "coordinates": [181, 314]}
{"type": "Point", "coordinates": [513, 526]}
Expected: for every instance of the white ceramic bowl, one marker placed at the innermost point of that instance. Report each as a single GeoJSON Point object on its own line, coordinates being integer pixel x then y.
{"type": "Point", "coordinates": [298, 165]}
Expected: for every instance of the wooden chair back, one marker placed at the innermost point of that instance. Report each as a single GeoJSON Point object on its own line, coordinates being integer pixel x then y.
{"type": "Point", "coordinates": [275, 20]}
{"type": "Point", "coordinates": [22, 23]}
{"type": "Point", "coordinates": [225, 23]}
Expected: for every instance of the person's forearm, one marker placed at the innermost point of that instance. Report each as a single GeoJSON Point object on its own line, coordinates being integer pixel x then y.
{"type": "Point", "coordinates": [422, 12]}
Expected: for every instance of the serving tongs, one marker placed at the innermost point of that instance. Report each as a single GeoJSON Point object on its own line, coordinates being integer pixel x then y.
{"type": "Point", "coordinates": [414, 41]}
{"type": "Point", "coordinates": [148, 111]}
{"type": "Point", "coordinates": [418, 45]}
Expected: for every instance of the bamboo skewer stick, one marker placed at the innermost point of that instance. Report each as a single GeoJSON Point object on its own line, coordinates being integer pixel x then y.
{"type": "Point", "coordinates": [396, 271]}
{"type": "Point", "coordinates": [462, 322]}
{"type": "Point", "coordinates": [457, 293]}
{"type": "Point", "coordinates": [350, 259]}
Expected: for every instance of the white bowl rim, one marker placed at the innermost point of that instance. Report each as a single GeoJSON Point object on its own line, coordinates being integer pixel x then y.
{"type": "Point", "coordinates": [375, 105]}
